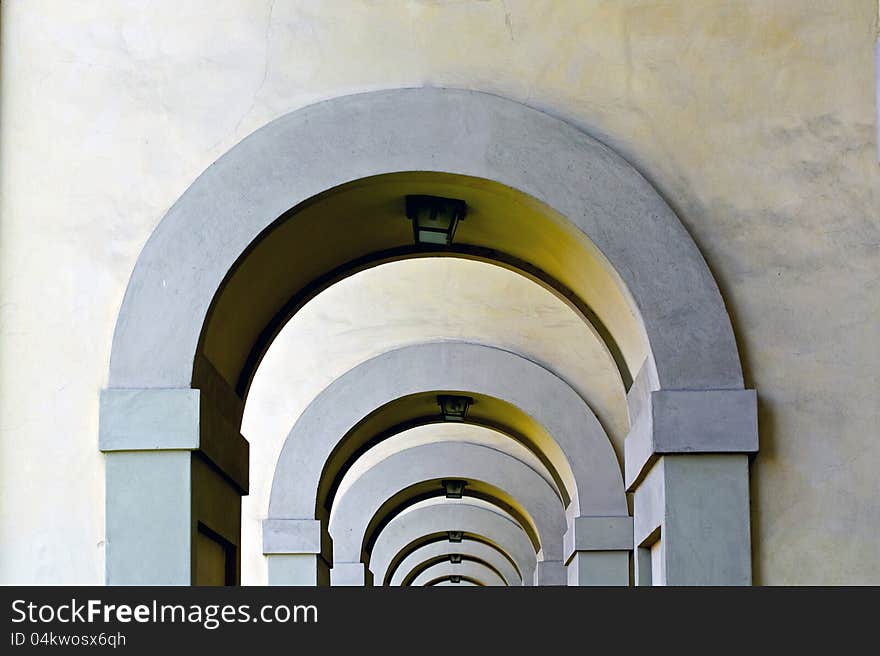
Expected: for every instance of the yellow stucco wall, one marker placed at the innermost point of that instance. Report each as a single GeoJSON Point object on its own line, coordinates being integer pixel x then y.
{"type": "Point", "coordinates": [754, 118]}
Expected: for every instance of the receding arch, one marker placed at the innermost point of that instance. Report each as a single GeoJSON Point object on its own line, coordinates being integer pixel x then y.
{"type": "Point", "coordinates": [437, 549]}
{"type": "Point", "coordinates": [440, 560]}
{"type": "Point", "coordinates": [438, 541]}
{"type": "Point", "coordinates": [579, 446]}
{"type": "Point", "coordinates": [445, 581]}
{"type": "Point", "coordinates": [437, 520]}
{"type": "Point", "coordinates": [466, 569]}
{"type": "Point", "coordinates": [359, 507]}
{"type": "Point", "coordinates": [477, 490]}
{"type": "Point", "coordinates": [469, 431]}
{"type": "Point", "coordinates": [414, 414]}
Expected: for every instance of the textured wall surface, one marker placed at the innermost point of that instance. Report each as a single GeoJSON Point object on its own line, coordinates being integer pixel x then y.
{"type": "Point", "coordinates": [754, 119]}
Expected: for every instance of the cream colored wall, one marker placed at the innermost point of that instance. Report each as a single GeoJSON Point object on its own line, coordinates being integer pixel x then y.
{"type": "Point", "coordinates": [755, 119]}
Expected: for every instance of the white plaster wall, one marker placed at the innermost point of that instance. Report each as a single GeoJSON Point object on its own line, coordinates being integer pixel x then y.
{"type": "Point", "coordinates": [756, 120]}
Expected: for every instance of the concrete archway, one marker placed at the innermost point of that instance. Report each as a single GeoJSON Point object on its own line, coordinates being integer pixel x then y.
{"type": "Point", "coordinates": [519, 485]}
{"type": "Point", "coordinates": [446, 581]}
{"type": "Point", "coordinates": [192, 322]}
{"type": "Point", "coordinates": [426, 525]}
{"type": "Point", "coordinates": [485, 552]}
{"type": "Point", "coordinates": [573, 441]}
{"type": "Point", "coordinates": [320, 147]}
{"type": "Point", "coordinates": [443, 560]}
{"type": "Point", "coordinates": [465, 569]}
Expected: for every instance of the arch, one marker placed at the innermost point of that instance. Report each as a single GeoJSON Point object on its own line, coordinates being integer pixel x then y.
{"type": "Point", "coordinates": [462, 558]}
{"type": "Point", "coordinates": [471, 430]}
{"type": "Point", "coordinates": [485, 552]}
{"type": "Point", "coordinates": [465, 569]}
{"type": "Point", "coordinates": [522, 487]}
{"type": "Point", "coordinates": [191, 317]}
{"type": "Point", "coordinates": [446, 581]}
{"type": "Point", "coordinates": [436, 520]}
{"type": "Point", "coordinates": [578, 446]}
{"type": "Point", "coordinates": [477, 490]}
{"type": "Point", "coordinates": [625, 224]}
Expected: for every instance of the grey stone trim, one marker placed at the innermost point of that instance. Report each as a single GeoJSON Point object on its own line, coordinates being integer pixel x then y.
{"type": "Point", "coordinates": [705, 421]}
{"type": "Point", "coordinates": [694, 508]}
{"type": "Point", "coordinates": [598, 568]}
{"type": "Point", "coordinates": [598, 534]}
{"type": "Point", "coordinates": [149, 420]}
{"type": "Point", "coordinates": [148, 517]}
{"type": "Point", "coordinates": [350, 574]}
{"type": "Point", "coordinates": [550, 573]}
{"type": "Point", "coordinates": [296, 536]}
{"type": "Point", "coordinates": [298, 569]}
{"type": "Point", "coordinates": [170, 420]}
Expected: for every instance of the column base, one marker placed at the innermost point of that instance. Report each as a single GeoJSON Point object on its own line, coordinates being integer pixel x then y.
{"type": "Point", "coordinates": [350, 574]}
{"type": "Point", "coordinates": [600, 568]}
{"type": "Point", "coordinates": [550, 572]}
{"type": "Point", "coordinates": [298, 569]}
{"type": "Point", "coordinates": [299, 552]}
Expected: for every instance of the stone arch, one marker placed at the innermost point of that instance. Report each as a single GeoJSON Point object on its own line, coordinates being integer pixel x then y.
{"type": "Point", "coordinates": [170, 415]}
{"type": "Point", "coordinates": [475, 571]}
{"type": "Point", "coordinates": [446, 581]}
{"type": "Point", "coordinates": [463, 557]}
{"type": "Point", "coordinates": [305, 153]}
{"type": "Point", "coordinates": [578, 446]}
{"type": "Point", "coordinates": [412, 528]}
{"type": "Point", "coordinates": [519, 485]}
{"type": "Point", "coordinates": [475, 548]}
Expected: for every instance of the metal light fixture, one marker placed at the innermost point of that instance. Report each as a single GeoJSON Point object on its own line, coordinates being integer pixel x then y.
{"type": "Point", "coordinates": [455, 559]}
{"type": "Point", "coordinates": [455, 578]}
{"type": "Point", "coordinates": [434, 218]}
{"type": "Point", "coordinates": [453, 488]}
{"type": "Point", "coordinates": [453, 407]}
{"type": "Point", "coordinates": [454, 536]}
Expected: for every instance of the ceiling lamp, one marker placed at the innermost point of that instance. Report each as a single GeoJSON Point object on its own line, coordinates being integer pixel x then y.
{"type": "Point", "coordinates": [453, 407]}
{"type": "Point", "coordinates": [453, 488]}
{"type": "Point", "coordinates": [434, 218]}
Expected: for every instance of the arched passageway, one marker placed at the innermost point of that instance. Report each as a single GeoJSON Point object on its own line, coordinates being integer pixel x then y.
{"type": "Point", "coordinates": [492, 556]}
{"type": "Point", "coordinates": [318, 195]}
{"type": "Point", "coordinates": [433, 523]}
{"type": "Point", "coordinates": [406, 475]}
{"type": "Point", "coordinates": [557, 424]}
{"type": "Point", "coordinates": [467, 569]}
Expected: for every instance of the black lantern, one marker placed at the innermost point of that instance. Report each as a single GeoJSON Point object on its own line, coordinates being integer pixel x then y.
{"type": "Point", "coordinates": [455, 559]}
{"type": "Point", "coordinates": [434, 218]}
{"type": "Point", "coordinates": [453, 407]}
{"type": "Point", "coordinates": [454, 536]}
{"type": "Point", "coordinates": [453, 488]}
